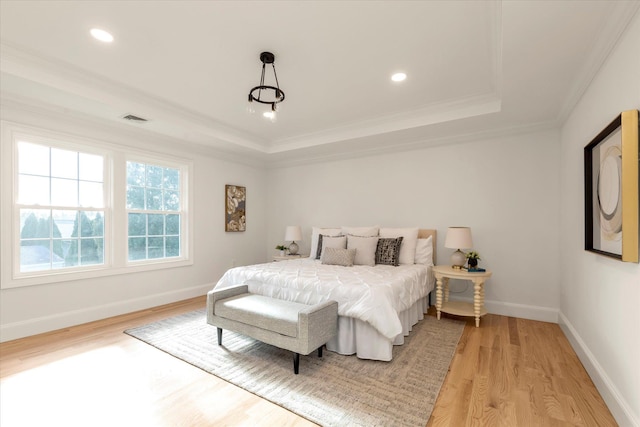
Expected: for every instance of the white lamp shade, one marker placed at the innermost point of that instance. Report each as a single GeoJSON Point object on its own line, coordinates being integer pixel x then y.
{"type": "Point", "coordinates": [292, 233]}
{"type": "Point", "coordinates": [458, 238]}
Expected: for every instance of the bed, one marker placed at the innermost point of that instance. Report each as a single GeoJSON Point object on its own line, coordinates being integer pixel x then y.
{"type": "Point", "coordinates": [377, 304]}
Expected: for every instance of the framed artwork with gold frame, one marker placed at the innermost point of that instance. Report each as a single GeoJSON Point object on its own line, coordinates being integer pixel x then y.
{"type": "Point", "coordinates": [235, 208]}
{"type": "Point", "coordinates": [611, 164]}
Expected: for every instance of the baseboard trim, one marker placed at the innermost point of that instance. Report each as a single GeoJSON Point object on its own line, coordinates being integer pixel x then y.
{"type": "Point", "coordinates": [531, 312]}
{"type": "Point", "coordinates": [39, 325]}
{"type": "Point", "coordinates": [618, 406]}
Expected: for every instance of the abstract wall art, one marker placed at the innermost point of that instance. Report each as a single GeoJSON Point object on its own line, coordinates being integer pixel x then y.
{"type": "Point", "coordinates": [611, 163]}
{"type": "Point", "coordinates": [235, 208]}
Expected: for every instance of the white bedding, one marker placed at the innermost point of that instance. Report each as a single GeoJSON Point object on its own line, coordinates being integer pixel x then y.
{"type": "Point", "coordinates": [375, 295]}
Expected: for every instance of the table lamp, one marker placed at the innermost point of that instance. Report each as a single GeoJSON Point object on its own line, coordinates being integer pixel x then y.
{"type": "Point", "coordinates": [458, 238]}
{"type": "Point", "coordinates": [293, 233]}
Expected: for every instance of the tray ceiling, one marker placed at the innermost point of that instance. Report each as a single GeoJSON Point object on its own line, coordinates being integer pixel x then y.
{"type": "Point", "coordinates": [187, 67]}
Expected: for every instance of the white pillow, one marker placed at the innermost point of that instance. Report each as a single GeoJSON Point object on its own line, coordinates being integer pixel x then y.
{"type": "Point", "coordinates": [365, 249]}
{"type": "Point", "coordinates": [339, 242]}
{"type": "Point", "coordinates": [409, 242]}
{"type": "Point", "coordinates": [424, 251]}
{"type": "Point", "coordinates": [361, 231]}
{"type": "Point", "coordinates": [315, 232]}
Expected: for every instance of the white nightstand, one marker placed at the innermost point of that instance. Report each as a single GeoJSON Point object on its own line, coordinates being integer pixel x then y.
{"type": "Point", "coordinates": [286, 257]}
{"type": "Point", "coordinates": [445, 272]}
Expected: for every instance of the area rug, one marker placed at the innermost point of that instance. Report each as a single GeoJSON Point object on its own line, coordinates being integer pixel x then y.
{"type": "Point", "coordinates": [334, 390]}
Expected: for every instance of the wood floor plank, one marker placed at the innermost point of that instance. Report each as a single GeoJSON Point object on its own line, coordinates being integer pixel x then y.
{"type": "Point", "coordinates": [508, 372]}
{"type": "Point", "coordinates": [535, 379]}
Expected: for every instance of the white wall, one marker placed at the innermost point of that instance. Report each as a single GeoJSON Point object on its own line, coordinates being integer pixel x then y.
{"type": "Point", "coordinates": [505, 189]}
{"type": "Point", "coordinates": [35, 309]}
{"type": "Point", "coordinates": [599, 296]}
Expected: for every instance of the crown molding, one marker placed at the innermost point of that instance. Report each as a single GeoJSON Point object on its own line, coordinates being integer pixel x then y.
{"type": "Point", "coordinates": [30, 66]}
{"type": "Point", "coordinates": [608, 38]}
{"type": "Point", "coordinates": [433, 114]}
{"type": "Point", "coordinates": [22, 110]}
{"type": "Point", "coordinates": [412, 144]}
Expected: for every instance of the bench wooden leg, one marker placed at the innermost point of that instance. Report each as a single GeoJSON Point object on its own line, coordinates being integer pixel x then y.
{"type": "Point", "coordinates": [296, 363]}
{"type": "Point", "coordinates": [320, 351]}
{"type": "Point", "coordinates": [219, 336]}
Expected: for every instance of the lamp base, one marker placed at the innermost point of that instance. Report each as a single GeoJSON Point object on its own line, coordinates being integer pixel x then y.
{"type": "Point", "coordinates": [458, 259]}
{"type": "Point", "coordinates": [293, 248]}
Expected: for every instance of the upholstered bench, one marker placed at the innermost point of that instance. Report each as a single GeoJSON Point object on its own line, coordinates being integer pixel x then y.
{"type": "Point", "coordinates": [293, 326]}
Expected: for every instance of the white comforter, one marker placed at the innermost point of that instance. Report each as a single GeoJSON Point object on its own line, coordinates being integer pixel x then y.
{"type": "Point", "coordinates": [373, 294]}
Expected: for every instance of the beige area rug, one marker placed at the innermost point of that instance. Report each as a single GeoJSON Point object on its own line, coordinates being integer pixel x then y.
{"type": "Point", "coordinates": [334, 390]}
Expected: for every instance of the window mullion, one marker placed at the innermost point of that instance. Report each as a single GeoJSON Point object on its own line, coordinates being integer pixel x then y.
{"type": "Point", "coordinates": [44, 182]}
{"type": "Point", "coordinates": [118, 205]}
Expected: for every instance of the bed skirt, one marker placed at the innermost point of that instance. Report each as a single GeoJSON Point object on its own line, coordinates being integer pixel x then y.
{"type": "Point", "coordinates": [358, 337]}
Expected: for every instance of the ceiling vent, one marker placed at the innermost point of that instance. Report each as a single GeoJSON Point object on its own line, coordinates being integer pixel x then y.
{"type": "Point", "coordinates": [133, 118]}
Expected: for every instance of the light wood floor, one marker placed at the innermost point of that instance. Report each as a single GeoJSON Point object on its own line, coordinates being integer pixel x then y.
{"type": "Point", "coordinates": [508, 372]}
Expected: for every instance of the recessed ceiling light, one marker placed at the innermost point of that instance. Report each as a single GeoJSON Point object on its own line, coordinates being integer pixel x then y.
{"type": "Point", "coordinates": [398, 77]}
{"type": "Point", "coordinates": [101, 35]}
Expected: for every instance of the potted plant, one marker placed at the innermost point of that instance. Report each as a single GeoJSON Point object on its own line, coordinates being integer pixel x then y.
{"type": "Point", "coordinates": [473, 257]}
{"type": "Point", "coordinates": [282, 249]}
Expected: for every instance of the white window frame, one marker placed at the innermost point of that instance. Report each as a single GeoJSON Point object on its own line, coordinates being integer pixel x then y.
{"type": "Point", "coordinates": [184, 203]}
{"type": "Point", "coordinates": [115, 216]}
{"type": "Point", "coordinates": [53, 143]}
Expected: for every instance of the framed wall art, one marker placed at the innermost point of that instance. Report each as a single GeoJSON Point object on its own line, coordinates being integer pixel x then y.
{"type": "Point", "coordinates": [235, 208]}
{"type": "Point", "coordinates": [611, 163]}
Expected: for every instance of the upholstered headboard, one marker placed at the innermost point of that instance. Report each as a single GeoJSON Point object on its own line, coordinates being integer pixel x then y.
{"type": "Point", "coordinates": [423, 233]}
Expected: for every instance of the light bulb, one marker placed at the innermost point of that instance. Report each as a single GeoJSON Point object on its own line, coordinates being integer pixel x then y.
{"type": "Point", "coordinates": [270, 115]}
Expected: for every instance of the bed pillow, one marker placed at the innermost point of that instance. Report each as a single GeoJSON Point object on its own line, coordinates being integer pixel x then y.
{"type": "Point", "coordinates": [315, 232]}
{"type": "Point", "coordinates": [330, 242]}
{"type": "Point", "coordinates": [338, 256]}
{"type": "Point", "coordinates": [365, 248]}
{"type": "Point", "coordinates": [409, 242]}
{"type": "Point", "coordinates": [361, 231]}
{"type": "Point", "coordinates": [388, 251]}
{"type": "Point", "coordinates": [424, 251]}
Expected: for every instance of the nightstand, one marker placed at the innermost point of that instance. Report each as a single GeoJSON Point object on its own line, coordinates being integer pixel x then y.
{"type": "Point", "coordinates": [286, 257]}
{"type": "Point", "coordinates": [445, 272]}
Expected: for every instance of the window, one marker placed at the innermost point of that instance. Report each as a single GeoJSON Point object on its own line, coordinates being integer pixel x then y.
{"type": "Point", "coordinates": [153, 211]}
{"type": "Point", "coordinates": [61, 208]}
{"type": "Point", "coordinates": [74, 208]}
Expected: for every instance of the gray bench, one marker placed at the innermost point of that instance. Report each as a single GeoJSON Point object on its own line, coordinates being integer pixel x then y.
{"type": "Point", "coordinates": [293, 326]}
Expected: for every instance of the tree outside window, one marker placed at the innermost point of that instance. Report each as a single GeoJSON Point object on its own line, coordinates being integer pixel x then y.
{"type": "Point", "coordinates": [153, 211]}
{"type": "Point", "coordinates": [61, 208]}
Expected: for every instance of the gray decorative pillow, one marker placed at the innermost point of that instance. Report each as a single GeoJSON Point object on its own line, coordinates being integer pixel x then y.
{"type": "Point", "coordinates": [325, 241]}
{"type": "Point", "coordinates": [315, 233]}
{"type": "Point", "coordinates": [388, 251]}
{"type": "Point", "coordinates": [338, 256]}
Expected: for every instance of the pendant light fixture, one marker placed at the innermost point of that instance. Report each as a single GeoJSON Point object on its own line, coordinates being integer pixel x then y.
{"type": "Point", "coordinates": [266, 94]}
